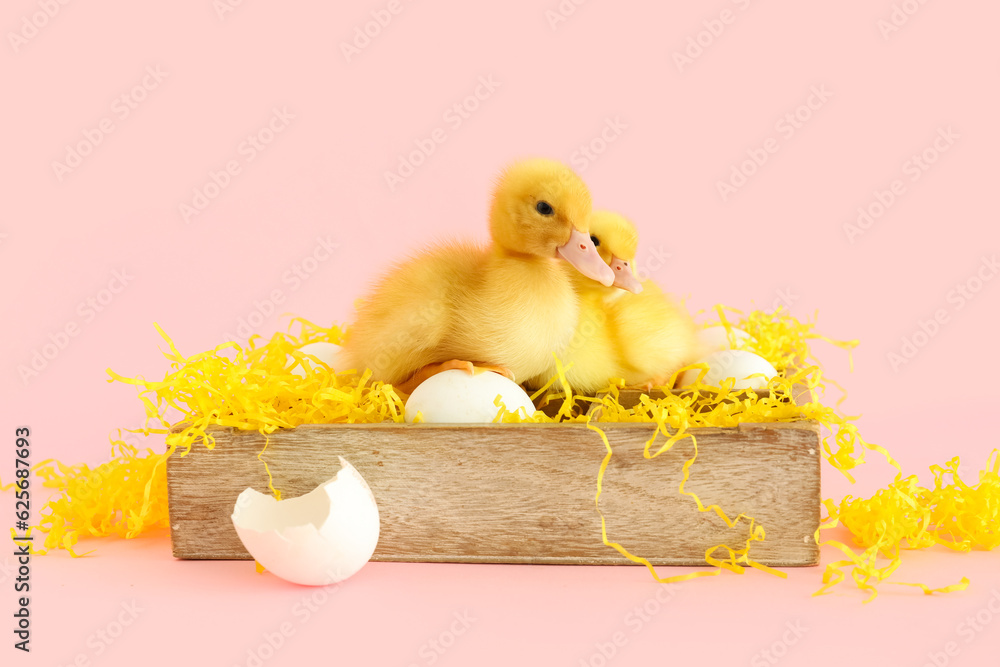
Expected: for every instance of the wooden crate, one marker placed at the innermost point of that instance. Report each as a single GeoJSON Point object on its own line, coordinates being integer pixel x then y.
{"type": "Point", "coordinates": [521, 493]}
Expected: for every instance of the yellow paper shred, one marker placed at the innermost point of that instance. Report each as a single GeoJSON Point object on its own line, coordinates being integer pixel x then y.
{"type": "Point", "coordinates": [125, 496]}
{"type": "Point", "coordinates": [267, 469]}
{"type": "Point", "coordinates": [906, 515]}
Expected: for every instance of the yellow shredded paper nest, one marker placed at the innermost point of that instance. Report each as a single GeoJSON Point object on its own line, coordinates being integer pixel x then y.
{"type": "Point", "coordinates": [254, 388]}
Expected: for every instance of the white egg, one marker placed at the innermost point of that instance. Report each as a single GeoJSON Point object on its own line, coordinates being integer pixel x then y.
{"type": "Point", "coordinates": [327, 353]}
{"type": "Point", "coordinates": [715, 339]}
{"type": "Point", "coordinates": [317, 539]}
{"type": "Point", "coordinates": [737, 364]}
{"type": "Point", "coordinates": [458, 397]}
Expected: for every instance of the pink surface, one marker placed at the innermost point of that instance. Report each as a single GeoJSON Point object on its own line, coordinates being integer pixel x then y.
{"type": "Point", "coordinates": [300, 218]}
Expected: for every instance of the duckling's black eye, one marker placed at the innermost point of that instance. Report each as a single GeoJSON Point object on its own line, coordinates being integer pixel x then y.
{"type": "Point", "coordinates": [596, 240]}
{"type": "Point", "coordinates": [544, 208]}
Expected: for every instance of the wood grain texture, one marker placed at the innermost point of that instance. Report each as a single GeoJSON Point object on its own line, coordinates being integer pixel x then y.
{"type": "Point", "coordinates": [524, 493]}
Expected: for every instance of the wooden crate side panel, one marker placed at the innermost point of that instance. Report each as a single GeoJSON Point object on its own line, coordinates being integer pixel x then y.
{"type": "Point", "coordinates": [493, 493]}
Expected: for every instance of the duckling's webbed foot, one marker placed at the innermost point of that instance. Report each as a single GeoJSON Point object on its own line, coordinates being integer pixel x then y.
{"type": "Point", "coordinates": [431, 370]}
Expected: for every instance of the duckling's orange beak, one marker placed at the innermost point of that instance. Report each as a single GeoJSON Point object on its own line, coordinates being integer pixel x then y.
{"type": "Point", "coordinates": [581, 253]}
{"type": "Point", "coordinates": [624, 277]}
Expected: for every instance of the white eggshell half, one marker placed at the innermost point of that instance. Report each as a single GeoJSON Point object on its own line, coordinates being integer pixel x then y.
{"type": "Point", "coordinates": [737, 364]}
{"type": "Point", "coordinates": [327, 353]}
{"type": "Point", "coordinates": [317, 539]}
{"type": "Point", "coordinates": [714, 339]}
{"type": "Point", "coordinates": [458, 397]}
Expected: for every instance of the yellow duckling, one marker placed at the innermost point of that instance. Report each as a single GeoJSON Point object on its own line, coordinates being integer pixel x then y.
{"type": "Point", "coordinates": [592, 357]}
{"type": "Point", "coordinates": [508, 305]}
{"type": "Point", "coordinates": [656, 336]}
{"type": "Point", "coordinates": [642, 337]}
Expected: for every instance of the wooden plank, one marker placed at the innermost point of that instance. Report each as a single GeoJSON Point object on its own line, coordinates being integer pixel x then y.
{"type": "Point", "coordinates": [520, 493]}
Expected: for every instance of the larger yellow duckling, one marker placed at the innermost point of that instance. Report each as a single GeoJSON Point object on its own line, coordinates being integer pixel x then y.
{"type": "Point", "coordinates": [509, 305]}
{"type": "Point", "coordinates": [642, 337]}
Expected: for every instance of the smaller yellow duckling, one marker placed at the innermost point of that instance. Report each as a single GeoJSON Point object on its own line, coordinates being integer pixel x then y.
{"type": "Point", "coordinates": [656, 336]}
{"type": "Point", "coordinates": [592, 357]}
{"type": "Point", "coordinates": [642, 336]}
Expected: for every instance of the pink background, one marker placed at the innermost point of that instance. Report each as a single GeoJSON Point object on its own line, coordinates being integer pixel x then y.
{"type": "Point", "coordinates": [680, 131]}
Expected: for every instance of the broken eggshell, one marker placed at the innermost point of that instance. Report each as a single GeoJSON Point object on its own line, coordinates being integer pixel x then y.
{"type": "Point", "coordinates": [320, 538]}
